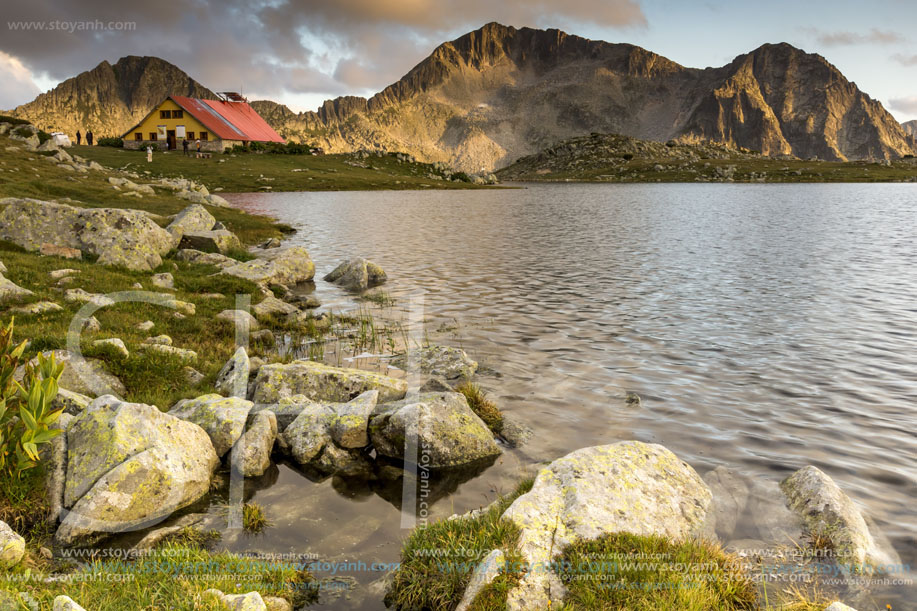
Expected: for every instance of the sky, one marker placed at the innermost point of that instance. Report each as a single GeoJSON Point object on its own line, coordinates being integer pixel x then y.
{"type": "Point", "coordinates": [302, 52]}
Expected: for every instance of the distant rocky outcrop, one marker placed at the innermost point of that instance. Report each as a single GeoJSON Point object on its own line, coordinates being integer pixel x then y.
{"type": "Point", "coordinates": [910, 128]}
{"type": "Point", "coordinates": [110, 98]}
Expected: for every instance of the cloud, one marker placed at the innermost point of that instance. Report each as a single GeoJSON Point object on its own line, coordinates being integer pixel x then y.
{"type": "Point", "coordinates": [843, 38]}
{"type": "Point", "coordinates": [905, 60]}
{"type": "Point", "coordinates": [907, 105]}
{"type": "Point", "coordinates": [17, 82]}
{"type": "Point", "coordinates": [269, 47]}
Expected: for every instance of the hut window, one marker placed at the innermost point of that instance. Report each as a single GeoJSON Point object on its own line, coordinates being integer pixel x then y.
{"type": "Point", "coordinates": [203, 136]}
{"type": "Point", "coordinates": [165, 114]}
{"type": "Point", "coordinates": [153, 136]}
{"type": "Point", "coordinates": [178, 114]}
{"type": "Point", "coordinates": [190, 135]}
{"type": "Point", "coordinates": [138, 136]}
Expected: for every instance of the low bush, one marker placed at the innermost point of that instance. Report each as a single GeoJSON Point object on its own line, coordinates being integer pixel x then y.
{"type": "Point", "coordinates": [113, 142]}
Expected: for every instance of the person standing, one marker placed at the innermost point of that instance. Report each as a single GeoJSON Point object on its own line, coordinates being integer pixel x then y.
{"type": "Point", "coordinates": [184, 146]}
{"type": "Point", "coordinates": [89, 137]}
{"type": "Point", "coordinates": [79, 137]}
{"type": "Point", "coordinates": [197, 143]}
{"type": "Point", "coordinates": [149, 153]}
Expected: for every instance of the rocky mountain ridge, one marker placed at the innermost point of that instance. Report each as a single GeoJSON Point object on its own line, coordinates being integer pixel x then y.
{"type": "Point", "coordinates": [499, 93]}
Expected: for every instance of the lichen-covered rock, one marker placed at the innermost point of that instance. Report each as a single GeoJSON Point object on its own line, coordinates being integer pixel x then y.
{"type": "Point", "coordinates": [250, 601]}
{"type": "Point", "coordinates": [205, 258]}
{"type": "Point", "coordinates": [308, 434]}
{"type": "Point", "coordinates": [233, 377]}
{"type": "Point", "coordinates": [69, 401]}
{"type": "Point", "coordinates": [253, 456]}
{"type": "Point", "coordinates": [85, 376]}
{"type": "Point", "coordinates": [12, 547]}
{"type": "Point", "coordinates": [193, 218]}
{"type": "Point", "coordinates": [321, 382]}
{"type": "Point", "coordinates": [65, 603]}
{"type": "Point", "coordinates": [357, 274]}
{"type": "Point", "coordinates": [221, 241]}
{"type": "Point", "coordinates": [223, 418]}
{"type": "Point", "coordinates": [839, 606]}
{"type": "Point", "coordinates": [623, 487]}
{"type": "Point", "coordinates": [486, 571]}
{"type": "Point", "coordinates": [240, 317]}
{"type": "Point", "coordinates": [271, 306]}
{"type": "Point", "coordinates": [126, 238]}
{"type": "Point", "coordinates": [10, 291]}
{"type": "Point", "coordinates": [130, 465]}
{"type": "Point", "coordinates": [81, 296]}
{"type": "Point", "coordinates": [450, 434]}
{"type": "Point", "coordinates": [350, 428]}
{"type": "Point", "coordinates": [286, 409]}
{"type": "Point", "coordinates": [180, 353]}
{"type": "Point", "coordinates": [443, 361]}
{"type": "Point", "coordinates": [829, 513]}
{"type": "Point", "coordinates": [39, 307]}
{"type": "Point", "coordinates": [287, 266]}
{"type": "Point", "coordinates": [163, 281]}
{"type": "Point", "coordinates": [342, 461]}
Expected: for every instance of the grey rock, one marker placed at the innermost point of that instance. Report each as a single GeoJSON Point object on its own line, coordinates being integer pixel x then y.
{"type": "Point", "coordinates": [351, 423]}
{"type": "Point", "coordinates": [39, 307]}
{"type": "Point", "coordinates": [240, 317]}
{"type": "Point", "coordinates": [288, 266]}
{"type": "Point", "coordinates": [192, 219]}
{"type": "Point", "coordinates": [205, 258]}
{"type": "Point", "coordinates": [253, 456]}
{"type": "Point", "coordinates": [86, 376]}
{"type": "Point", "coordinates": [271, 306]}
{"type": "Point", "coordinates": [115, 342]}
{"type": "Point", "coordinates": [223, 418]}
{"type": "Point", "coordinates": [286, 409]}
{"type": "Point", "coordinates": [442, 361]}
{"type": "Point", "coordinates": [11, 292]}
{"type": "Point", "coordinates": [65, 603]}
{"type": "Point", "coordinates": [163, 281]}
{"type": "Point", "coordinates": [623, 487]}
{"type": "Point", "coordinates": [308, 434]}
{"type": "Point", "coordinates": [12, 547]}
{"type": "Point", "coordinates": [71, 402]}
{"type": "Point", "coordinates": [321, 382]}
{"type": "Point", "coordinates": [81, 296]}
{"type": "Point", "coordinates": [443, 424]}
{"type": "Point", "coordinates": [514, 432]}
{"type": "Point", "coordinates": [357, 274]}
{"type": "Point", "coordinates": [233, 377]}
{"type": "Point", "coordinates": [486, 571]}
{"type": "Point", "coordinates": [221, 241]}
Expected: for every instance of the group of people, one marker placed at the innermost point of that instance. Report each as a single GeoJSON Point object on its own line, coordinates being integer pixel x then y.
{"type": "Point", "coordinates": [79, 137]}
{"type": "Point", "coordinates": [185, 144]}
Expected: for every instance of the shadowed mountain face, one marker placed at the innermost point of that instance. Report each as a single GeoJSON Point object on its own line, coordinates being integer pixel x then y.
{"type": "Point", "coordinates": [498, 93]}
{"type": "Point", "coordinates": [110, 99]}
{"type": "Point", "coordinates": [910, 128]}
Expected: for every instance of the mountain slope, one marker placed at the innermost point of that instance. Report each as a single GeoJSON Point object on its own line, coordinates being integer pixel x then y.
{"type": "Point", "coordinates": [109, 99]}
{"type": "Point", "coordinates": [910, 128]}
{"type": "Point", "coordinates": [499, 93]}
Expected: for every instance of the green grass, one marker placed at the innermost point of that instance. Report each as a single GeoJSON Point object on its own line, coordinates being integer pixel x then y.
{"type": "Point", "coordinates": [248, 172]}
{"type": "Point", "coordinates": [171, 577]}
{"type": "Point", "coordinates": [253, 518]}
{"type": "Point", "coordinates": [481, 405]}
{"type": "Point", "coordinates": [645, 573]}
{"type": "Point", "coordinates": [426, 581]}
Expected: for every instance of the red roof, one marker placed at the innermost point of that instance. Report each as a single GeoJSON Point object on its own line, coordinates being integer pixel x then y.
{"type": "Point", "coordinates": [229, 120]}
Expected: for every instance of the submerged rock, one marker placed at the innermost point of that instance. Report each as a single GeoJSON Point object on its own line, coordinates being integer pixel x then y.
{"type": "Point", "coordinates": [126, 238]}
{"type": "Point", "coordinates": [440, 361]}
{"type": "Point", "coordinates": [357, 274]}
{"type": "Point", "coordinates": [623, 487]}
{"type": "Point", "coordinates": [321, 382]}
{"type": "Point", "coordinates": [829, 513]}
{"type": "Point", "coordinates": [130, 465]}
{"type": "Point", "coordinates": [222, 418]}
{"type": "Point", "coordinates": [448, 433]}
{"type": "Point", "coordinates": [730, 497]}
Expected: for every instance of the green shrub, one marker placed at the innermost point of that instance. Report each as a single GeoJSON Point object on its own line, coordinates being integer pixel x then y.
{"type": "Point", "coordinates": [25, 409]}
{"type": "Point", "coordinates": [113, 142]}
{"type": "Point", "coordinates": [481, 405]}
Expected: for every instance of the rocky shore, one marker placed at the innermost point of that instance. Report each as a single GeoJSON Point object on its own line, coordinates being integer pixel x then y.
{"type": "Point", "coordinates": [131, 456]}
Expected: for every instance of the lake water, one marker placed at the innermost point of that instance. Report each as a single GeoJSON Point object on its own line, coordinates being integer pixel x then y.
{"type": "Point", "coordinates": [766, 327]}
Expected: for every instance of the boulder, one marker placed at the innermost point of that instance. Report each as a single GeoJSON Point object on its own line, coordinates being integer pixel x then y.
{"type": "Point", "coordinates": [145, 325]}
{"type": "Point", "coordinates": [205, 258]}
{"type": "Point", "coordinates": [12, 547]}
{"type": "Point", "coordinates": [163, 281]}
{"type": "Point", "coordinates": [350, 428]}
{"type": "Point", "coordinates": [251, 601]}
{"type": "Point", "coordinates": [81, 296]}
{"type": "Point", "coordinates": [116, 343]}
{"type": "Point", "coordinates": [356, 274]}
{"type": "Point", "coordinates": [182, 354]}
{"type": "Point", "coordinates": [130, 465]}
{"type": "Point", "coordinates": [192, 219]}
{"type": "Point", "coordinates": [247, 321]}
{"type": "Point", "coordinates": [233, 377]}
{"type": "Point", "coordinates": [441, 361]}
{"type": "Point", "coordinates": [271, 306]}
{"type": "Point", "coordinates": [10, 291]}
{"type": "Point", "coordinates": [222, 418]}
{"type": "Point", "coordinates": [221, 241]}
{"type": "Point", "coordinates": [285, 409]}
{"type": "Point", "coordinates": [254, 446]}
{"type": "Point", "coordinates": [450, 434]}
{"type": "Point", "coordinates": [126, 238]}
{"type": "Point", "coordinates": [69, 401]}
{"type": "Point", "coordinates": [162, 340]}
{"type": "Point", "coordinates": [56, 469]}
{"type": "Point", "coordinates": [57, 274]}
{"type": "Point", "coordinates": [839, 606]}
{"type": "Point", "coordinates": [85, 376]}
{"type": "Point", "coordinates": [628, 486]}
{"type": "Point", "coordinates": [321, 382]}
{"type": "Point", "coordinates": [308, 434]}
{"type": "Point", "coordinates": [287, 266]}
{"type": "Point", "coordinates": [829, 513]}
{"type": "Point", "coordinates": [342, 461]}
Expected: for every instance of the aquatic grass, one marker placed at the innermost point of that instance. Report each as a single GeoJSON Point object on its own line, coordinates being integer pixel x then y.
{"type": "Point", "coordinates": [481, 405]}
{"type": "Point", "coordinates": [627, 571]}
{"type": "Point", "coordinates": [437, 560]}
{"type": "Point", "coordinates": [254, 519]}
